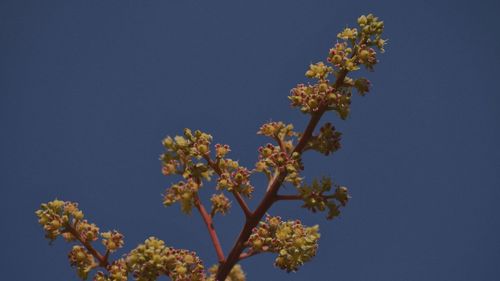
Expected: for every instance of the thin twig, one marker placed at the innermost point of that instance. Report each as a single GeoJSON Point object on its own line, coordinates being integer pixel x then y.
{"type": "Point", "coordinates": [242, 204]}
{"type": "Point", "coordinates": [103, 260]}
{"type": "Point", "coordinates": [237, 195]}
{"type": "Point", "coordinates": [288, 197]}
{"type": "Point", "coordinates": [210, 226]}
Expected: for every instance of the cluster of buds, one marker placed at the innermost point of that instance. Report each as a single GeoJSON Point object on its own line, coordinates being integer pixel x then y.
{"type": "Point", "coordinates": [220, 204]}
{"type": "Point", "coordinates": [294, 242]}
{"type": "Point", "coordinates": [348, 34]}
{"type": "Point", "coordinates": [82, 260]}
{"type": "Point", "coordinates": [117, 271]}
{"type": "Point", "coordinates": [372, 29]}
{"type": "Point", "coordinates": [87, 231]}
{"type": "Point", "coordinates": [183, 154]}
{"type": "Point", "coordinates": [221, 150]}
{"type": "Point", "coordinates": [310, 98]}
{"type": "Point", "coordinates": [350, 57]}
{"type": "Point", "coordinates": [152, 259]}
{"type": "Point", "coordinates": [112, 240]}
{"type": "Point", "coordinates": [271, 156]}
{"type": "Point", "coordinates": [341, 56]}
{"type": "Point", "coordinates": [354, 50]}
{"type": "Point", "coordinates": [315, 199]}
{"type": "Point", "coordinates": [327, 141]}
{"type": "Point", "coordinates": [236, 273]}
{"type": "Point", "coordinates": [183, 192]}
{"type": "Point", "coordinates": [319, 71]}
{"type": "Point", "coordinates": [55, 215]}
{"type": "Point", "coordinates": [64, 218]}
{"type": "Point", "coordinates": [234, 178]}
{"type": "Point", "coordinates": [277, 130]}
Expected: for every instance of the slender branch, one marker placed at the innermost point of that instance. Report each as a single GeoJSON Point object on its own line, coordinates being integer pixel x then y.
{"type": "Point", "coordinates": [237, 196]}
{"type": "Point", "coordinates": [211, 229]}
{"type": "Point", "coordinates": [103, 260]}
{"type": "Point", "coordinates": [281, 144]}
{"type": "Point", "coordinates": [248, 254]}
{"type": "Point", "coordinates": [242, 204]}
{"type": "Point", "coordinates": [288, 197]}
{"type": "Point", "coordinates": [212, 164]}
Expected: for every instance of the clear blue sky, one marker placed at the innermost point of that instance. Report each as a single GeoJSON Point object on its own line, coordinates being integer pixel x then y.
{"type": "Point", "coordinates": [89, 88]}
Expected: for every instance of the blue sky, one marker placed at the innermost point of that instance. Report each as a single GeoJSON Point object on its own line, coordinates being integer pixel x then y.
{"type": "Point", "coordinates": [89, 88]}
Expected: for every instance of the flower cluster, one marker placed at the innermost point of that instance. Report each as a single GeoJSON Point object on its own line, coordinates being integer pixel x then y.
{"type": "Point", "coordinates": [152, 259]}
{"type": "Point", "coordinates": [294, 242]}
{"type": "Point", "coordinates": [234, 178]}
{"type": "Point", "coordinates": [355, 49]}
{"type": "Point", "coordinates": [112, 240]}
{"type": "Point", "coordinates": [82, 260]}
{"type": "Point", "coordinates": [87, 231]}
{"type": "Point", "coordinates": [236, 273]}
{"type": "Point", "coordinates": [310, 98]}
{"type": "Point", "coordinates": [372, 28]}
{"type": "Point", "coordinates": [183, 154]}
{"type": "Point", "coordinates": [182, 192]}
{"type": "Point", "coordinates": [221, 150]}
{"type": "Point", "coordinates": [315, 199]}
{"type": "Point", "coordinates": [348, 34]}
{"type": "Point", "coordinates": [341, 56]}
{"type": "Point", "coordinates": [189, 156]}
{"type": "Point", "coordinates": [117, 271]}
{"type": "Point", "coordinates": [272, 157]}
{"type": "Point", "coordinates": [319, 71]}
{"type": "Point", "coordinates": [277, 130]}
{"type": "Point", "coordinates": [350, 57]}
{"type": "Point", "coordinates": [327, 141]}
{"type": "Point", "coordinates": [220, 204]}
{"type": "Point", "coordinates": [64, 218]}
{"type": "Point", "coordinates": [55, 215]}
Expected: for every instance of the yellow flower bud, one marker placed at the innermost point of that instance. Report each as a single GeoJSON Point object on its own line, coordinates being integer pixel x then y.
{"type": "Point", "coordinates": [203, 149]}
{"type": "Point", "coordinates": [362, 20]}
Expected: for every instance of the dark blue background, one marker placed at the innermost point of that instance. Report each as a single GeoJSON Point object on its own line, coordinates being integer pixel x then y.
{"type": "Point", "coordinates": [89, 88]}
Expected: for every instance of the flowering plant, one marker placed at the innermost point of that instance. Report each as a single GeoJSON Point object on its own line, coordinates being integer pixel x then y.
{"type": "Point", "coordinates": [198, 161]}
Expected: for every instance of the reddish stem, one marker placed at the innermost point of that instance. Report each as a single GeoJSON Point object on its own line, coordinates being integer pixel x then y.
{"type": "Point", "coordinates": [242, 204]}
{"type": "Point", "coordinates": [211, 229]}
{"type": "Point", "coordinates": [103, 260]}
{"type": "Point", "coordinates": [288, 197]}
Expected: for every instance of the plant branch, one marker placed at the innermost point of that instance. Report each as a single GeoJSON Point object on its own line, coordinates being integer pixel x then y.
{"type": "Point", "coordinates": [211, 229]}
{"type": "Point", "coordinates": [282, 145]}
{"type": "Point", "coordinates": [242, 204]}
{"type": "Point", "coordinates": [103, 260]}
{"type": "Point", "coordinates": [276, 182]}
{"type": "Point", "coordinates": [248, 254]}
{"type": "Point", "coordinates": [287, 197]}
{"type": "Point", "coordinates": [273, 187]}
{"type": "Point", "coordinates": [237, 196]}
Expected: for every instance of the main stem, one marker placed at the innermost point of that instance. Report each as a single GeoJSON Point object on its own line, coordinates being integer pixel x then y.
{"type": "Point", "coordinates": [272, 194]}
